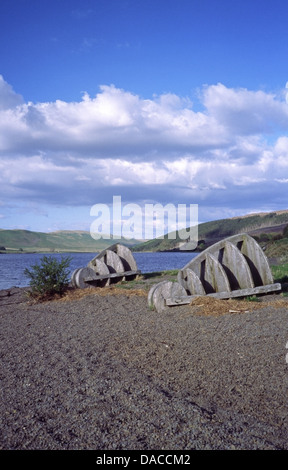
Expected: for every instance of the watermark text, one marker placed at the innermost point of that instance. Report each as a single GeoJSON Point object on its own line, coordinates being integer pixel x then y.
{"type": "Point", "coordinates": [131, 221]}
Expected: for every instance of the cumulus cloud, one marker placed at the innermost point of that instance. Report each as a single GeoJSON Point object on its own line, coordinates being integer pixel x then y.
{"type": "Point", "coordinates": [233, 152]}
{"type": "Point", "coordinates": [113, 124]}
{"type": "Point", "coordinates": [246, 112]}
{"type": "Point", "coordinates": [8, 98]}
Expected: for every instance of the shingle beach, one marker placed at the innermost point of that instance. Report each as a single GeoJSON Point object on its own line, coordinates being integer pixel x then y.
{"type": "Point", "coordinates": [98, 369]}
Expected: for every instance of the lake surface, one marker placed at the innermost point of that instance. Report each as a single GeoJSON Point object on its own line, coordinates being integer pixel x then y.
{"type": "Point", "coordinates": [12, 266]}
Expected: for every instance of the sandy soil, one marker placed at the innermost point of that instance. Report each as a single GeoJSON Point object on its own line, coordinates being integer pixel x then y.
{"type": "Point", "coordinates": [98, 369]}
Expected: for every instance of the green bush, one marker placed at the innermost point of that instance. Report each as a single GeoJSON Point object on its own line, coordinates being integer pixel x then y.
{"type": "Point", "coordinates": [50, 277]}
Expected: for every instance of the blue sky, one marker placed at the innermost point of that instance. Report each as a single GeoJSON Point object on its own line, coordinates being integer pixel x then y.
{"type": "Point", "coordinates": [175, 101]}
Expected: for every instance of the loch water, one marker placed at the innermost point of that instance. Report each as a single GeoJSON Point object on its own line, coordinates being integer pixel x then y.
{"type": "Point", "coordinates": [12, 266]}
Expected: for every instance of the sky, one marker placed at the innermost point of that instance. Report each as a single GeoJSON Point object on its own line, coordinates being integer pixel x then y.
{"type": "Point", "coordinates": [154, 101]}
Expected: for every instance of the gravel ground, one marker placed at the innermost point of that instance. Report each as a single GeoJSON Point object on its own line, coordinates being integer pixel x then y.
{"type": "Point", "coordinates": [100, 370]}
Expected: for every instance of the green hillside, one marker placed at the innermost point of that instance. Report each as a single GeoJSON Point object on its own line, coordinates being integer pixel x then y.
{"type": "Point", "coordinates": [63, 241]}
{"type": "Point", "coordinates": [269, 229]}
{"type": "Point", "coordinates": [266, 228]}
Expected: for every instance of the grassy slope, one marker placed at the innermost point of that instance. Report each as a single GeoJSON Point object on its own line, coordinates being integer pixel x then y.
{"type": "Point", "coordinates": [257, 225]}
{"type": "Point", "coordinates": [271, 223]}
{"type": "Point", "coordinates": [55, 241]}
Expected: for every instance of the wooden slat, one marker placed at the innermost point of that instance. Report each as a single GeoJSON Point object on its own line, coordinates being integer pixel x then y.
{"type": "Point", "coordinates": [215, 278]}
{"type": "Point", "coordinates": [111, 275]}
{"type": "Point", "coordinates": [227, 295]}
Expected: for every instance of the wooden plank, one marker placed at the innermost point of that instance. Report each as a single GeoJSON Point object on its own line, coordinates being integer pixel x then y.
{"type": "Point", "coordinates": [191, 282]}
{"type": "Point", "coordinates": [215, 278]}
{"type": "Point", "coordinates": [111, 275]}
{"type": "Point", "coordinates": [227, 295]}
{"type": "Point", "coordinates": [100, 269]}
{"type": "Point", "coordinates": [257, 260]}
{"type": "Point", "coordinates": [236, 267]}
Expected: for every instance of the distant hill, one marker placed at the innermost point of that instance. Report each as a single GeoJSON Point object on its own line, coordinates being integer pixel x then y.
{"type": "Point", "coordinates": [61, 241]}
{"type": "Point", "coordinates": [267, 228]}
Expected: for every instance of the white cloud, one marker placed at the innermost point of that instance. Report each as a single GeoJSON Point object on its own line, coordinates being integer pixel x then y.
{"type": "Point", "coordinates": [246, 112]}
{"type": "Point", "coordinates": [8, 98]}
{"type": "Point", "coordinates": [114, 123]}
{"type": "Point", "coordinates": [78, 153]}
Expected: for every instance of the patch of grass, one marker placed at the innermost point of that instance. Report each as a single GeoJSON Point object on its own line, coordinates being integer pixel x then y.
{"type": "Point", "coordinates": [280, 273]}
{"type": "Point", "coordinates": [252, 298]}
{"type": "Point", "coordinates": [135, 283]}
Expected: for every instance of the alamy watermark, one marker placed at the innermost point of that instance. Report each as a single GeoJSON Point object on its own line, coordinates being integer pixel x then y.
{"type": "Point", "coordinates": [131, 221]}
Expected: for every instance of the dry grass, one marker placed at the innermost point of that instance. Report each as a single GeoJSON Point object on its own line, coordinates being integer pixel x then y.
{"type": "Point", "coordinates": [77, 294]}
{"type": "Point", "coordinates": [210, 306]}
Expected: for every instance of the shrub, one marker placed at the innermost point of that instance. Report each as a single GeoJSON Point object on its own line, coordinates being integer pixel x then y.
{"type": "Point", "coordinates": [50, 277]}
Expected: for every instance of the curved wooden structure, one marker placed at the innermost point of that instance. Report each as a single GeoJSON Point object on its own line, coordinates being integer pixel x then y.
{"type": "Point", "coordinates": [113, 264]}
{"type": "Point", "coordinates": [233, 267]}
